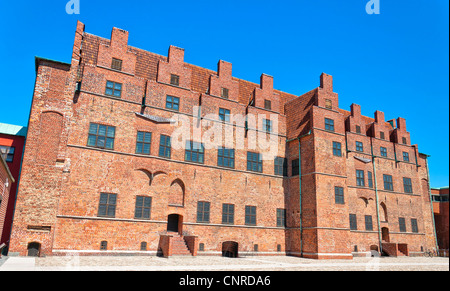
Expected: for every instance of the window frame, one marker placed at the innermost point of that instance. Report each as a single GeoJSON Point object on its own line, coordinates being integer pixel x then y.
{"type": "Point", "coordinates": [116, 64]}
{"type": "Point", "coordinates": [281, 217]}
{"type": "Point", "coordinates": [368, 222]}
{"type": "Point", "coordinates": [224, 114]}
{"type": "Point", "coordinates": [405, 156]}
{"type": "Point", "coordinates": [359, 146]}
{"type": "Point", "coordinates": [388, 182]}
{"type": "Point", "coordinates": [339, 195]}
{"type": "Point", "coordinates": [407, 185]}
{"type": "Point", "coordinates": [111, 85]}
{"type": "Point", "coordinates": [8, 153]}
{"type": "Point", "coordinates": [144, 208]}
{"type": "Point", "coordinates": [402, 224]}
{"type": "Point", "coordinates": [353, 221]}
{"type": "Point", "coordinates": [295, 167]}
{"type": "Point", "coordinates": [144, 143]}
{"type": "Point", "coordinates": [108, 137]}
{"type": "Point", "coordinates": [329, 124]}
{"type": "Point", "coordinates": [250, 215]}
{"type": "Point", "coordinates": [360, 179]}
{"type": "Point", "coordinates": [203, 211]}
{"type": "Point", "coordinates": [172, 102]}
{"type": "Point", "coordinates": [227, 155]}
{"type": "Point", "coordinates": [337, 149]}
{"type": "Point", "coordinates": [194, 149]}
{"type": "Point", "coordinates": [383, 152]}
{"type": "Point", "coordinates": [254, 159]}
{"type": "Point", "coordinates": [175, 80]}
{"type": "Point", "coordinates": [165, 149]}
{"type": "Point", "coordinates": [280, 166]}
{"type": "Point", "coordinates": [110, 205]}
{"type": "Point", "coordinates": [228, 213]}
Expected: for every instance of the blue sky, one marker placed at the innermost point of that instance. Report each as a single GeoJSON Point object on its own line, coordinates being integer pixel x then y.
{"type": "Point", "coordinates": [396, 62]}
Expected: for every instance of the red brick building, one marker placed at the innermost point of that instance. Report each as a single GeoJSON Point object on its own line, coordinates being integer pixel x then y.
{"type": "Point", "coordinates": [104, 173]}
{"type": "Point", "coordinates": [12, 141]}
{"type": "Point", "coordinates": [441, 215]}
{"type": "Point", "coordinates": [6, 181]}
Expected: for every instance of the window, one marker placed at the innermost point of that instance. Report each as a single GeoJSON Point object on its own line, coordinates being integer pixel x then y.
{"type": "Point", "coordinates": [369, 179]}
{"type": "Point", "coordinates": [7, 153]}
{"type": "Point", "coordinates": [228, 213]}
{"type": "Point", "coordinates": [267, 125]}
{"type": "Point", "coordinates": [254, 162]}
{"type": "Point", "coordinates": [225, 157]}
{"type": "Point", "coordinates": [407, 185]}
{"type": "Point", "coordinates": [103, 245]}
{"type": "Point", "coordinates": [368, 222]}
{"type": "Point", "coordinates": [268, 104]}
{"type": "Point", "coordinates": [328, 104]}
{"type": "Point", "coordinates": [358, 129]}
{"type": "Point", "coordinates": [143, 206]}
{"type": "Point", "coordinates": [387, 179]}
{"type": "Point", "coordinates": [295, 167]}
{"type": "Point", "coordinates": [113, 89]}
{"type": "Point", "coordinates": [339, 195]}
{"type": "Point", "coordinates": [143, 246]}
{"type": "Point", "coordinates": [405, 157]}
{"type": "Point", "coordinates": [414, 226]}
{"type": "Point", "coordinates": [224, 93]}
{"type": "Point", "coordinates": [359, 146]}
{"type": "Point", "coordinates": [116, 64]}
{"type": "Point", "coordinates": [402, 224]}
{"type": "Point", "coordinates": [203, 212]}
{"type": "Point", "coordinates": [173, 103]}
{"type": "Point", "coordinates": [360, 178]}
{"type": "Point", "coordinates": [329, 124]}
{"type": "Point", "coordinates": [337, 149]}
{"type": "Point", "coordinates": [164, 146]}
{"type": "Point", "coordinates": [195, 152]}
{"type": "Point", "coordinates": [280, 166]}
{"type": "Point", "coordinates": [107, 205]}
{"type": "Point", "coordinates": [175, 80]}
{"type": "Point", "coordinates": [250, 215]}
{"type": "Point", "coordinates": [101, 136]}
{"type": "Point", "coordinates": [224, 114]}
{"type": "Point", "coordinates": [143, 142]}
{"type": "Point", "coordinates": [353, 222]}
{"type": "Point", "coordinates": [383, 151]}
{"type": "Point", "coordinates": [281, 217]}
{"type": "Point", "coordinates": [382, 135]}
{"type": "Point", "coordinates": [404, 140]}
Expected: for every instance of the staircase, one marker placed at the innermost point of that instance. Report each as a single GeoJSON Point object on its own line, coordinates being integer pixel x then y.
{"type": "Point", "coordinates": [179, 247]}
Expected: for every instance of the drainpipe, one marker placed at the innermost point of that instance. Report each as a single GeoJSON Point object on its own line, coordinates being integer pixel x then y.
{"type": "Point", "coordinates": [300, 186]}
{"type": "Point", "coordinates": [376, 196]}
{"type": "Point", "coordinates": [431, 202]}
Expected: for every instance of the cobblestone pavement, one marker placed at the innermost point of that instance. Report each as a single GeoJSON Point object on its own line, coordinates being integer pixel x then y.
{"type": "Point", "coordinates": [276, 263]}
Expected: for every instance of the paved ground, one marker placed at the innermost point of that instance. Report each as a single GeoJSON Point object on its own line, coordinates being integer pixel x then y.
{"type": "Point", "coordinates": [148, 263]}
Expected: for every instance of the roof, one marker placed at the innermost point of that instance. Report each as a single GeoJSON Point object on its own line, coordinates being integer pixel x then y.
{"type": "Point", "coordinates": [11, 129]}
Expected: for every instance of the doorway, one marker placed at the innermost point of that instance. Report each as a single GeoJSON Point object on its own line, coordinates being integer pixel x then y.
{"type": "Point", "coordinates": [173, 223]}
{"type": "Point", "coordinates": [34, 249]}
{"type": "Point", "coordinates": [230, 249]}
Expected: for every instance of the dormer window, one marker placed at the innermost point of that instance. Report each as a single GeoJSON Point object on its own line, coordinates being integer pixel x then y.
{"type": "Point", "coordinates": [224, 93]}
{"type": "Point", "coordinates": [175, 80]}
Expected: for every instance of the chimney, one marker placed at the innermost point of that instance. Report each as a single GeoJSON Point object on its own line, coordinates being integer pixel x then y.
{"type": "Point", "coordinates": [266, 82]}
{"type": "Point", "coordinates": [119, 37]}
{"type": "Point", "coordinates": [356, 109]}
{"type": "Point", "coordinates": [379, 116]}
{"type": "Point", "coordinates": [176, 54]}
{"type": "Point", "coordinates": [401, 124]}
{"type": "Point", "coordinates": [326, 82]}
{"type": "Point", "coordinates": [224, 69]}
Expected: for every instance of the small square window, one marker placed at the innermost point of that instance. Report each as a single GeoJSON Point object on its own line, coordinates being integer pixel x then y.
{"type": "Point", "coordinates": [405, 157]}
{"type": "Point", "coordinates": [116, 64]}
{"type": "Point", "coordinates": [359, 146]}
{"type": "Point", "coordinates": [113, 89]}
{"type": "Point", "coordinates": [172, 103]}
{"type": "Point", "coordinates": [383, 151]}
{"type": "Point", "coordinates": [224, 93]}
{"type": "Point", "coordinates": [195, 152]}
{"type": "Point", "coordinates": [175, 80]}
{"type": "Point", "coordinates": [329, 124]}
{"type": "Point", "coordinates": [337, 149]}
{"type": "Point", "coordinates": [339, 195]}
{"type": "Point", "coordinates": [224, 115]}
{"type": "Point", "coordinates": [328, 104]}
{"type": "Point", "coordinates": [268, 104]}
{"type": "Point", "coordinates": [101, 136]}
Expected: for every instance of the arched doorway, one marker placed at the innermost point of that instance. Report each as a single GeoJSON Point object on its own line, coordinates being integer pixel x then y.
{"type": "Point", "coordinates": [230, 249]}
{"type": "Point", "coordinates": [34, 249]}
{"type": "Point", "coordinates": [174, 223]}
